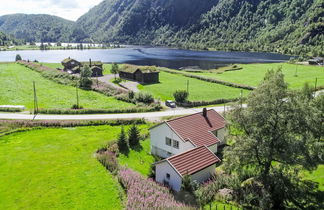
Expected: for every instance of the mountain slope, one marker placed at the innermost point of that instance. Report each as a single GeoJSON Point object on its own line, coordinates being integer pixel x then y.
{"type": "Point", "coordinates": [44, 28]}
{"type": "Point", "coordinates": [287, 26]}
{"type": "Point", "coordinates": [6, 40]}
{"type": "Point", "coordinates": [136, 21]}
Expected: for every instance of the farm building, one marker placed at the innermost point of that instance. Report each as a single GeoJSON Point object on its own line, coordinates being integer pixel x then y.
{"type": "Point", "coordinates": [184, 133]}
{"type": "Point", "coordinates": [74, 66]}
{"type": "Point", "coordinates": [141, 74]}
{"type": "Point", "coordinates": [199, 163]}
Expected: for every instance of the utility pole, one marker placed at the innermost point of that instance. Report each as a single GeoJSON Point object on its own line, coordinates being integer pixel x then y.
{"type": "Point", "coordinates": [35, 101]}
{"type": "Point", "coordinates": [77, 94]}
{"type": "Point", "coordinates": [296, 71]}
{"type": "Point", "coordinates": [241, 98]}
{"type": "Point", "coordinates": [187, 86]}
{"type": "Point", "coordinates": [315, 87]}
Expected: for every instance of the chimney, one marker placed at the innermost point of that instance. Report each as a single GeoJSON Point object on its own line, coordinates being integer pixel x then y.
{"type": "Point", "coordinates": [90, 62]}
{"type": "Point", "coordinates": [205, 112]}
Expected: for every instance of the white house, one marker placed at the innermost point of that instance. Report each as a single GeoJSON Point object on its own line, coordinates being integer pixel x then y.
{"type": "Point", "coordinates": [199, 163]}
{"type": "Point", "coordinates": [184, 133]}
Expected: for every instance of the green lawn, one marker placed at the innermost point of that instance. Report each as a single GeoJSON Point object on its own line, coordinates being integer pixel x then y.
{"type": "Point", "coordinates": [56, 169]}
{"type": "Point", "coordinates": [138, 160]}
{"type": "Point", "coordinates": [252, 74]}
{"type": "Point", "coordinates": [17, 89]}
{"type": "Point", "coordinates": [198, 89]}
{"type": "Point", "coordinates": [317, 176]}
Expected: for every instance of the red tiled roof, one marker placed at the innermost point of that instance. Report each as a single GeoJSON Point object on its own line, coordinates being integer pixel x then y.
{"type": "Point", "coordinates": [197, 128]}
{"type": "Point", "coordinates": [193, 160]}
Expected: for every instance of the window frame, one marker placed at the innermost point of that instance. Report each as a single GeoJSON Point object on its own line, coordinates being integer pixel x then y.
{"type": "Point", "coordinates": [168, 176]}
{"type": "Point", "coordinates": [175, 144]}
{"type": "Point", "coordinates": [167, 139]}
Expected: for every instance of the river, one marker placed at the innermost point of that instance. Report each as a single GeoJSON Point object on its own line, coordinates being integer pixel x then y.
{"type": "Point", "coordinates": [159, 56]}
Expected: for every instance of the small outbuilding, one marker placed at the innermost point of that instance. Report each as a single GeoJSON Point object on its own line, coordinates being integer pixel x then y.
{"type": "Point", "coordinates": [199, 163]}
{"type": "Point", "coordinates": [74, 66]}
{"type": "Point", "coordinates": [141, 74]}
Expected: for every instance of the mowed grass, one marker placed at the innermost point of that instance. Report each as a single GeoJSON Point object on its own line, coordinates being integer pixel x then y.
{"type": "Point", "coordinates": [253, 74]}
{"type": "Point", "coordinates": [139, 160]}
{"type": "Point", "coordinates": [57, 169]}
{"type": "Point", "coordinates": [198, 90]}
{"type": "Point", "coordinates": [16, 84]}
{"type": "Point", "coordinates": [316, 176]}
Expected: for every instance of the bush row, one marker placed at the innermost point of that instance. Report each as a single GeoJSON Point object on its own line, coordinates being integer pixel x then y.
{"type": "Point", "coordinates": [69, 123]}
{"type": "Point", "coordinates": [151, 108]}
{"type": "Point", "coordinates": [230, 84]}
{"type": "Point", "coordinates": [9, 109]}
{"type": "Point", "coordinates": [191, 104]}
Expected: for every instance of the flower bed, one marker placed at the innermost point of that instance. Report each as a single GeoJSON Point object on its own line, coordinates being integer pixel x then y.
{"type": "Point", "coordinates": [145, 194]}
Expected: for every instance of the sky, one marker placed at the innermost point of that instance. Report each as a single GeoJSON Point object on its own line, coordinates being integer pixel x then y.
{"type": "Point", "coordinates": [68, 9]}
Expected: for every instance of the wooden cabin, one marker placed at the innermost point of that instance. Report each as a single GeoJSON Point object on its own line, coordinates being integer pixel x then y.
{"type": "Point", "coordinates": [141, 74]}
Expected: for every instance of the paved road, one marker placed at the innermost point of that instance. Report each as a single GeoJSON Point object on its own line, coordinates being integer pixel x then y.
{"type": "Point", "coordinates": [147, 115]}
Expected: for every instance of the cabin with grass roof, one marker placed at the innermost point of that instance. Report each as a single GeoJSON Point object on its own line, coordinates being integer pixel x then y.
{"type": "Point", "coordinates": [74, 67]}
{"type": "Point", "coordinates": [141, 74]}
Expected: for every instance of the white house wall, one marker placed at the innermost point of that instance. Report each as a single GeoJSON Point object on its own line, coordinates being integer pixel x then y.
{"type": "Point", "coordinates": [162, 169]}
{"type": "Point", "coordinates": [213, 148]}
{"type": "Point", "coordinates": [158, 145]}
{"type": "Point", "coordinates": [204, 174]}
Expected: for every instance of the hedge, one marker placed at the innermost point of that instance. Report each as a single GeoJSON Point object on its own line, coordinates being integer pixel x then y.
{"type": "Point", "coordinates": [190, 104]}
{"type": "Point", "coordinates": [8, 109]}
{"type": "Point", "coordinates": [230, 84]}
{"type": "Point", "coordinates": [153, 108]}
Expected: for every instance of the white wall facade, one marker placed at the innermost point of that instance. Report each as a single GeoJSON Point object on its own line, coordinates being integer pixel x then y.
{"type": "Point", "coordinates": [161, 171]}
{"type": "Point", "coordinates": [220, 135]}
{"type": "Point", "coordinates": [213, 148]}
{"type": "Point", "coordinates": [204, 174]}
{"type": "Point", "coordinates": [175, 180]}
{"type": "Point", "coordinates": [160, 148]}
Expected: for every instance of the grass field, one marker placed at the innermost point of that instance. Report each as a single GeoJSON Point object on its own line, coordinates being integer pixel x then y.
{"type": "Point", "coordinates": [17, 89]}
{"type": "Point", "coordinates": [56, 169]}
{"type": "Point", "coordinates": [198, 90]}
{"type": "Point", "coordinates": [139, 161]}
{"type": "Point", "coordinates": [252, 74]}
{"type": "Point", "coordinates": [317, 176]}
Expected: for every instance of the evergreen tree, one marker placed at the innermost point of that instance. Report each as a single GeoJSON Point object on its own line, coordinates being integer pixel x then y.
{"type": "Point", "coordinates": [18, 57]}
{"type": "Point", "coordinates": [122, 141]}
{"type": "Point", "coordinates": [85, 80]}
{"type": "Point", "coordinates": [133, 136]}
{"type": "Point", "coordinates": [114, 69]}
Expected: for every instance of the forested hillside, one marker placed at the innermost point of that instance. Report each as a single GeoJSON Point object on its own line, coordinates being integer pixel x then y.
{"type": "Point", "coordinates": [38, 28]}
{"type": "Point", "coordinates": [286, 26]}
{"type": "Point", "coordinates": [6, 40]}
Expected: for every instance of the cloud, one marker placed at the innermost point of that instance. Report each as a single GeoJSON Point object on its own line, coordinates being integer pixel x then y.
{"type": "Point", "coordinates": [69, 9]}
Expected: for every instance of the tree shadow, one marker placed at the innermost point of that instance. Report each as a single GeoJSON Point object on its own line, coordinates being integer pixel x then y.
{"type": "Point", "coordinates": [137, 147]}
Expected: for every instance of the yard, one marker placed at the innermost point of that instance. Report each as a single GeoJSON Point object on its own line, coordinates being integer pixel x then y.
{"type": "Point", "coordinates": [198, 90]}
{"type": "Point", "coordinates": [56, 169]}
{"type": "Point", "coordinates": [16, 84]}
{"type": "Point", "coordinates": [252, 74]}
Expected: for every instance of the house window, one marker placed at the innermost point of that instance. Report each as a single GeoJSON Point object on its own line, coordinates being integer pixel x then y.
{"type": "Point", "coordinates": [168, 176]}
{"type": "Point", "coordinates": [216, 133]}
{"type": "Point", "coordinates": [175, 144]}
{"type": "Point", "coordinates": [168, 141]}
{"type": "Point", "coordinates": [169, 154]}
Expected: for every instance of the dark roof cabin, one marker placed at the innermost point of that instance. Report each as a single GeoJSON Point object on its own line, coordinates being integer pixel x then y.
{"type": "Point", "coordinates": [71, 65]}
{"type": "Point", "coordinates": [141, 74]}
{"type": "Point", "coordinates": [74, 66]}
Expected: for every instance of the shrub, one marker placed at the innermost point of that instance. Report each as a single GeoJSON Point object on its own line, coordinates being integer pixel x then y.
{"type": "Point", "coordinates": [10, 109]}
{"type": "Point", "coordinates": [114, 69]}
{"type": "Point", "coordinates": [133, 136]}
{"type": "Point", "coordinates": [145, 194]}
{"type": "Point", "coordinates": [131, 94]}
{"type": "Point", "coordinates": [85, 81]}
{"type": "Point", "coordinates": [144, 97]}
{"type": "Point", "coordinates": [122, 141]}
{"type": "Point", "coordinates": [206, 103]}
{"type": "Point", "coordinates": [180, 96]}
{"type": "Point", "coordinates": [75, 106]}
{"type": "Point", "coordinates": [18, 57]}
{"type": "Point", "coordinates": [109, 160]}
{"type": "Point", "coordinates": [187, 184]}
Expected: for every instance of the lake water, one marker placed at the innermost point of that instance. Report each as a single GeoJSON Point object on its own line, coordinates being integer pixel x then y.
{"type": "Point", "coordinates": [165, 57]}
